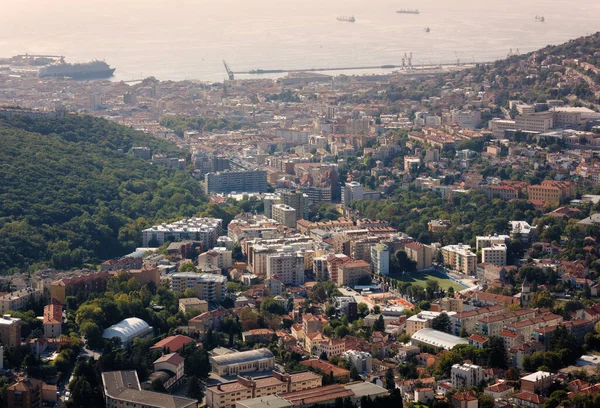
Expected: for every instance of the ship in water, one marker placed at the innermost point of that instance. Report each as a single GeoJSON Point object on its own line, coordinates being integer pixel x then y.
{"type": "Point", "coordinates": [540, 19]}
{"type": "Point", "coordinates": [427, 29]}
{"type": "Point", "coordinates": [350, 19]}
{"type": "Point", "coordinates": [403, 11]}
{"type": "Point", "coordinates": [87, 70]}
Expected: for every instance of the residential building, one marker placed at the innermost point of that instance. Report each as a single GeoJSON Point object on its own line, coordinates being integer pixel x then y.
{"type": "Point", "coordinates": [123, 389]}
{"type": "Point", "coordinates": [187, 305]}
{"type": "Point", "coordinates": [464, 400]}
{"type": "Point", "coordinates": [339, 374]}
{"type": "Point", "coordinates": [205, 230]}
{"type": "Point", "coordinates": [380, 259]}
{"type": "Point", "coordinates": [242, 362]}
{"type": "Point", "coordinates": [521, 230]}
{"type": "Point", "coordinates": [551, 192]}
{"type": "Point", "coordinates": [169, 369]}
{"type": "Point", "coordinates": [528, 399]}
{"type": "Point", "coordinates": [284, 214]}
{"type": "Point", "coordinates": [331, 347]}
{"type": "Point", "coordinates": [438, 226]}
{"type": "Point", "coordinates": [25, 394]}
{"type": "Point", "coordinates": [225, 182]}
{"type": "Point", "coordinates": [494, 255]}
{"type": "Point", "coordinates": [287, 266]}
{"type": "Point", "coordinates": [466, 375]}
{"type": "Point", "coordinates": [207, 286]}
{"type": "Point", "coordinates": [92, 282]}
{"type": "Point", "coordinates": [460, 258]}
{"type": "Point", "coordinates": [420, 253]}
{"type": "Point", "coordinates": [297, 200]}
{"type": "Point", "coordinates": [536, 382]}
{"type": "Point", "coordinates": [351, 191]}
{"type": "Point", "coordinates": [499, 390]}
{"type": "Point", "coordinates": [10, 331]}
{"type": "Point", "coordinates": [468, 119]}
{"type": "Point", "coordinates": [53, 318]}
{"type": "Point", "coordinates": [147, 274]}
{"type": "Point", "coordinates": [488, 273]}
{"type": "Point", "coordinates": [19, 299]}
{"type": "Point", "coordinates": [362, 360]}
{"type": "Point", "coordinates": [352, 272]}
{"type": "Point", "coordinates": [172, 344]}
{"type": "Point", "coordinates": [490, 240]}
{"type": "Point", "coordinates": [217, 259]}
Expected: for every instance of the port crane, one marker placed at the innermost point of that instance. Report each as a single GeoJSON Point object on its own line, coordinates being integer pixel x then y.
{"type": "Point", "coordinates": [229, 71]}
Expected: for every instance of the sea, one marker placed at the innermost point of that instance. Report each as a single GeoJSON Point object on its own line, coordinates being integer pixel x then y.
{"type": "Point", "coordinates": [189, 39]}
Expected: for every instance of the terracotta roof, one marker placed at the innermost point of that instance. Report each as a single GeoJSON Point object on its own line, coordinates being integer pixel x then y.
{"type": "Point", "coordinates": [172, 343]}
{"type": "Point", "coordinates": [172, 358]}
{"type": "Point", "coordinates": [530, 397]}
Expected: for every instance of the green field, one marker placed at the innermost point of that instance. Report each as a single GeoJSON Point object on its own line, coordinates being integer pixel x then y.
{"type": "Point", "coordinates": [421, 278]}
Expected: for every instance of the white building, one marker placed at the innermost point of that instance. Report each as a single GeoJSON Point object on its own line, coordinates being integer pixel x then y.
{"type": "Point", "coordinates": [287, 265]}
{"type": "Point", "coordinates": [467, 119]}
{"type": "Point", "coordinates": [380, 259]}
{"type": "Point", "coordinates": [495, 255]}
{"type": "Point", "coordinates": [460, 258]}
{"type": "Point", "coordinates": [351, 191]}
{"type": "Point", "coordinates": [209, 287]}
{"type": "Point", "coordinates": [466, 375]}
{"type": "Point", "coordinates": [284, 214]}
{"type": "Point", "coordinates": [436, 338]}
{"type": "Point", "coordinates": [489, 240]}
{"type": "Point", "coordinates": [218, 258]}
{"type": "Point", "coordinates": [206, 230]}
{"type": "Point", "coordinates": [127, 330]}
{"type": "Point", "coordinates": [361, 360]}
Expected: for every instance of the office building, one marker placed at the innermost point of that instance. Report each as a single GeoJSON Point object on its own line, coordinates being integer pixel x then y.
{"type": "Point", "coordinates": [537, 122]}
{"type": "Point", "coordinates": [209, 287]}
{"type": "Point", "coordinates": [380, 259]}
{"type": "Point", "coordinates": [225, 182]}
{"type": "Point", "coordinates": [284, 214]}
{"type": "Point", "coordinates": [287, 266]}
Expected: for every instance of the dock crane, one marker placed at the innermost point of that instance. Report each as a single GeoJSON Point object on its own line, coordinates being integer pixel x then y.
{"type": "Point", "coordinates": [229, 71]}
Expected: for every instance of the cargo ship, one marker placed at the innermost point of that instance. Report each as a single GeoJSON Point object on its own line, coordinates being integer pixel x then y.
{"type": "Point", "coordinates": [540, 19]}
{"type": "Point", "coordinates": [416, 11]}
{"type": "Point", "coordinates": [88, 70]}
{"type": "Point", "coordinates": [346, 19]}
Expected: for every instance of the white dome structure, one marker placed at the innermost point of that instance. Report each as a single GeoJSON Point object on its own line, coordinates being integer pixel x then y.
{"type": "Point", "coordinates": [127, 330]}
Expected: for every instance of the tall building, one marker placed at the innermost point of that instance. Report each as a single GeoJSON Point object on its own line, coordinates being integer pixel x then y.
{"type": "Point", "coordinates": [207, 286]}
{"type": "Point", "coordinates": [420, 253]}
{"type": "Point", "coordinates": [52, 320]}
{"type": "Point", "coordinates": [460, 258]}
{"type": "Point", "coordinates": [297, 200]}
{"type": "Point", "coordinates": [284, 214]}
{"type": "Point", "coordinates": [467, 119]}
{"type": "Point", "coordinates": [10, 331]}
{"type": "Point", "coordinates": [495, 255]}
{"type": "Point", "coordinates": [287, 265]}
{"type": "Point", "coordinates": [352, 272]}
{"type": "Point", "coordinates": [25, 394]}
{"type": "Point", "coordinates": [352, 190]}
{"type": "Point", "coordinates": [380, 259]}
{"type": "Point", "coordinates": [466, 375]}
{"type": "Point", "coordinates": [490, 240]}
{"type": "Point", "coordinates": [252, 181]}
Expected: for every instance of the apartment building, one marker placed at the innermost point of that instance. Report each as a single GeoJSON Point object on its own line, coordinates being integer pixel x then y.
{"type": "Point", "coordinates": [205, 230]}
{"type": "Point", "coordinates": [225, 182]}
{"type": "Point", "coordinates": [468, 320]}
{"type": "Point", "coordinates": [19, 299]}
{"type": "Point", "coordinates": [380, 259]}
{"type": "Point", "coordinates": [93, 282]}
{"type": "Point", "coordinates": [284, 214]}
{"type": "Point", "coordinates": [147, 274]}
{"type": "Point", "coordinates": [466, 375]}
{"type": "Point", "coordinates": [53, 318]}
{"type": "Point", "coordinates": [187, 305]}
{"type": "Point", "coordinates": [351, 272]}
{"type": "Point", "coordinates": [297, 200]}
{"type": "Point", "coordinates": [351, 191]}
{"type": "Point", "coordinates": [10, 331]}
{"type": "Point", "coordinates": [467, 119]}
{"type": "Point", "coordinates": [494, 255]}
{"type": "Point", "coordinates": [207, 286]}
{"type": "Point", "coordinates": [287, 265]}
{"type": "Point", "coordinates": [492, 325]}
{"type": "Point", "coordinates": [551, 192]}
{"type": "Point", "coordinates": [25, 394]}
{"type": "Point", "coordinates": [489, 240]}
{"type": "Point", "coordinates": [488, 273]}
{"type": "Point", "coordinates": [420, 253]}
{"type": "Point", "coordinates": [218, 258]}
{"type": "Point", "coordinates": [460, 258]}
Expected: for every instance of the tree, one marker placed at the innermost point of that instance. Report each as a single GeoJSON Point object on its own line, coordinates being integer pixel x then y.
{"type": "Point", "coordinates": [323, 356]}
{"type": "Point", "coordinates": [379, 324]}
{"type": "Point", "coordinates": [363, 309]}
{"type": "Point", "coordinates": [194, 390]}
{"type": "Point", "coordinates": [272, 306]}
{"type": "Point", "coordinates": [390, 381]}
{"type": "Point", "coordinates": [497, 353]}
{"type": "Point", "coordinates": [486, 401]}
{"type": "Point", "coordinates": [463, 333]}
{"type": "Point", "coordinates": [451, 292]}
{"type": "Point", "coordinates": [442, 323]}
{"type": "Point", "coordinates": [157, 386]}
{"type": "Point", "coordinates": [376, 309]}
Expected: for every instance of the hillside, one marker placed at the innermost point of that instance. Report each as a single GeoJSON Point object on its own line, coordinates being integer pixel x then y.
{"type": "Point", "coordinates": [71, 193]}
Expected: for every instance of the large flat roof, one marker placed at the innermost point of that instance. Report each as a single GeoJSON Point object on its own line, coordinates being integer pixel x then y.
{"type": "Point", "coordinates": [438, 338]}
{"type": "Point", "coordinates": [243, 356]}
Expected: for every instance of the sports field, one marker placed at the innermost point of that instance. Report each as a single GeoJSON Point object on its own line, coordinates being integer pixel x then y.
{"type": "Point", "coordinates": [421, 278]}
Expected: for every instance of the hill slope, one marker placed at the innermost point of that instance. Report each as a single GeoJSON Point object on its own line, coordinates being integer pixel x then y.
{"type": "Point", "coordinates": [68, 196]}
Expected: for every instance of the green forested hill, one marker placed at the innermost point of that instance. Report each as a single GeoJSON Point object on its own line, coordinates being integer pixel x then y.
{"type": "Point", "coordinates": [68, 196]}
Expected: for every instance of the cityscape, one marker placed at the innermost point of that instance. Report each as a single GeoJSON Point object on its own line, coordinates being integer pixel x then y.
{"type": "Point", "coordinates": [427, 235]}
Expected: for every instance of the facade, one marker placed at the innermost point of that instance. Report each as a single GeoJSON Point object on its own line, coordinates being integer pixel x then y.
{"type": "Point", "coordinates": [145, 275]}
{"type": "Point", "coordinates": [242, 362]}
{"type": "Point", "coordinates": [460, 258]}
{"type": "Point", "coordinates": [284, 214]}
{"type": "Point", "coordinates": [93, 282]}
{"type": "Point", "coordinates": [52, 320]}
{"type": "Point", "coordinates": [420, 253]}
{"type": "Point", "coordinates": [25, 394]}
{"type": "Point", "coordinates": [363, 361]}
{"type": "Point", "coordinates": [225, 182]}
{"type": "Point", "coordinates": [351, 191]}
{"type": "Point", "coordinates": [297, 200]}
{"type": "Point", "coordinates": [536, 382]}
{"type": "Point", "coordinates": [538, 122]}
{"type": "Point", "coordinates": [380, 259]}
{"type": "Point", "coordinates": [466, 375]}
{"type": "Point", "coordinates": [287, 265]}
{"type": "Point", "coordinates": [19, 299]}
{"type": "Point", "coordinates": [193, 305]}
{"type": "Point", "coordinates": [205, 230]}
{"type": "Point", "coordinates": [468, 119]}
{"type": "Point", "coordinates": [123, 389]}
{"type": "Point", "coordinates": [498, 126]}
{"type": "Point", "coordinates": [207, 286]}
{"type": "Point", "coordinates": [494, 255]}
{"type": "Point", "coordinates": [490, 240]}
{"type": "Point", "coordinates": [551, 192]}
{"type": "Point", "coordinates": [10, 331]}
{"type": "Point", "coordinates": [351, 272]}
{"type": "Point", "coordinates": [219, 258]}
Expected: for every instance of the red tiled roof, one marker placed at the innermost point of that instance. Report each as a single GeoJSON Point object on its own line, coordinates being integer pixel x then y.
{"type": "Point", "coordinates": [172, 343]}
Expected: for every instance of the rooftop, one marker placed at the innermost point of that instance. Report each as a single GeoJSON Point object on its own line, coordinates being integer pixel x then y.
{"type": "Point", "coordinates": [438, 338]}
{"type": "Point", "coordinates": [243, 356]}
